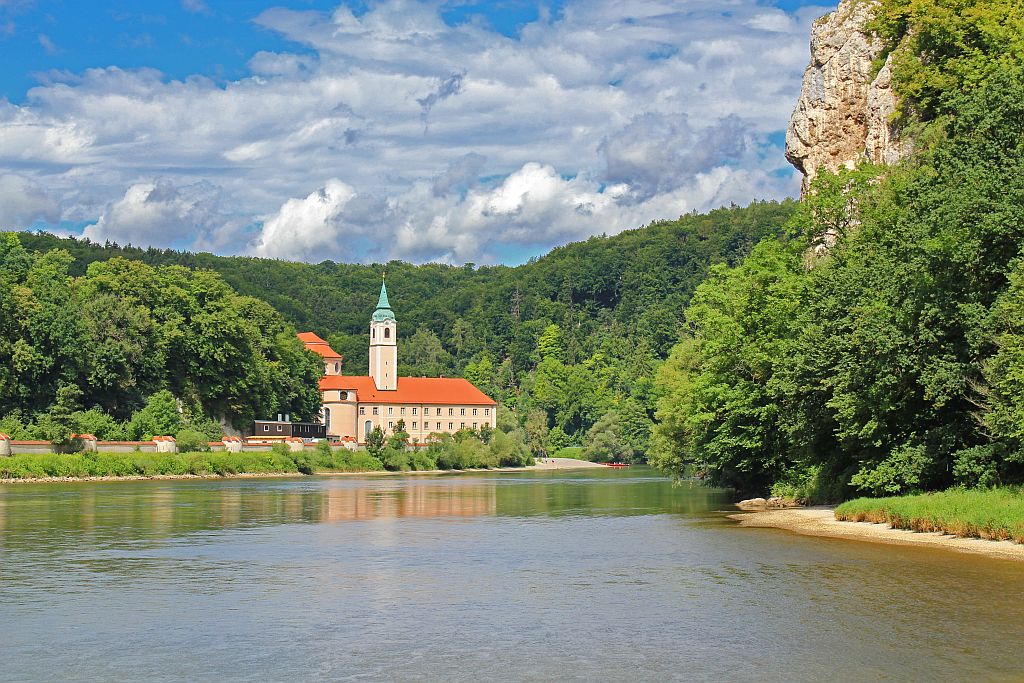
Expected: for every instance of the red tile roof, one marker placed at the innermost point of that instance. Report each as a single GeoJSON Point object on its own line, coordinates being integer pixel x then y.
{"type": "Point", "coordinates": [318, 345]}
{"type": "Point", "coordinates": [411, 390]}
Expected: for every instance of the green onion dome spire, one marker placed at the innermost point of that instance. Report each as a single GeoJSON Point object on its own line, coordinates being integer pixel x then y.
{"type": "Point", "coordinates": [383, 312]}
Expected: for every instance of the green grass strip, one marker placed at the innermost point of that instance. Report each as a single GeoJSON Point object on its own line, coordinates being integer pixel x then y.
{"type": "Point", "coordinates": [995, 514]}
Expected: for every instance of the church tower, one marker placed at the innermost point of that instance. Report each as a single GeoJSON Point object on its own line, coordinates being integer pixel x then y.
{"type": "Point", "coordinates": [383, 345]}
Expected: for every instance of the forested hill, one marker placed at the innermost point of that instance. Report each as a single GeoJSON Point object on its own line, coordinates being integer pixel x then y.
{"type": "Point", "coordinates": [635, 284]}
{"type": "Point", "coordinates": [569, 343]}
{"type": "Point", "coordinates": [895, 362]}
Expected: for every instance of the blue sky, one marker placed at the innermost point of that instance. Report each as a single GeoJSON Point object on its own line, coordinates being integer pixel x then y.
{"type": "Point", "coordinates": [458, 131]}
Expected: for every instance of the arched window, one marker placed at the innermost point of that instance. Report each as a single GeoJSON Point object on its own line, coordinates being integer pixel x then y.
{"type": "Point", "coordinates": [373, 332]}
{"type": "Point", "coordinates": [327, 419]}
{"type": "Point", "coordinates": [342, 395]}
{"type": "Point", "coordinates": [367, 428]}
{"type": "Point", "coordinates": [387, 333]}
{"type": "Point", "coordinates": [337, 367]}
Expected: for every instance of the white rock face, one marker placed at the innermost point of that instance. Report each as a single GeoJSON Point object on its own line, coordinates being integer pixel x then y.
{"type": "Point", "coordinates": [842, 115]}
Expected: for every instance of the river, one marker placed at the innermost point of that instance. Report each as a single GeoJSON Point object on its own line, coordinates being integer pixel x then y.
{"type": "Point", "coordinates": [587, 575]}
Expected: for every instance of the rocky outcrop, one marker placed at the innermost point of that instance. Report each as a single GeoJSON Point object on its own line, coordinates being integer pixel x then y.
{"type": "Point", "coordinates": [844, 111]}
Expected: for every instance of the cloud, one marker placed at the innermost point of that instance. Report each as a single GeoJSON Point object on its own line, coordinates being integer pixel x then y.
{"type": "Point", "coordinates": [303, 228]}
{"type": "Point", "coordinates": [448, 87]}
{"type": "Point", "coordinates": [195, 6]}
{"type": "Point", "coordinates": [655, 153]}
{"type": "Point", "coordinates": [23, 202]}
{"type": "Point", "coordinates": [160, 213]}
{"type": "Point", "coordinates": [603, 117]}
{"type": "Point", "coordinates": [47, 43]}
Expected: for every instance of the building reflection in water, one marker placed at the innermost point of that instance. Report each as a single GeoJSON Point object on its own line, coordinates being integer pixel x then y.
{"type": "Point", "coordinates": [411, 499]}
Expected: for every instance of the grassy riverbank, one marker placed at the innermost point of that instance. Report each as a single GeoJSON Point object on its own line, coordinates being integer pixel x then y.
{"type": "Point", "coordinates": [996, 514]}
{"type": "Point", "coordinates": [445, 455]}
{"type": "Point", "coordinates": [278, 461]}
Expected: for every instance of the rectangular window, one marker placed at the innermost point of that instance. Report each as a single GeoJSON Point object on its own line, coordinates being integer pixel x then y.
{"type": "Point", "coordinates": [391, 425]}
{"type": "Point", "coordinates": [376, 411]}
{"type": "Point", "coordinates": [487, 411]}
{"type": "Point", "coordinates": [279, 427]}
{"type": "Point", "coordinates": [438, 411]}
{"type": "Point", "coordinates": [451, 426]}
{"type": "Point", "coordinates": [266, 428]}
{"type": "Point", "coordinates": [462, 412]}
{"type": "Point", "coordinates": [403, 410]}
{"type": "Point", "coordinates": [414, 426]}
{"type": "Point", "coordinates": [362, 411]}
{"type": "Point", "coordinates": [438, 426]}
{"type": "Point", "coordinates": [462, 425]}
{"type": "Point", "coordinates": [391, 411]}
{"type": "Point", "coordinates": [451, 411]}
{"type": "Point", "coordinates": [474, 425]}
{"type": "Point", "coordinates": [413, 411]}
{"type": "Point", "coordinates": [474, 412]}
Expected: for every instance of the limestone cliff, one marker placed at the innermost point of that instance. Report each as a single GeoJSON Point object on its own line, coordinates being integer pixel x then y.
{"type": "Point", "coordinates": [842, 116]}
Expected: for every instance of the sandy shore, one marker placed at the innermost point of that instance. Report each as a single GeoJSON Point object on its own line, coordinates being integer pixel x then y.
{"type": "Point", "coordinates": [562, 464]}
{"type": "Point", "coordinates": [821, 521]}
{"type": "Point", "coordinates": [550, 464]}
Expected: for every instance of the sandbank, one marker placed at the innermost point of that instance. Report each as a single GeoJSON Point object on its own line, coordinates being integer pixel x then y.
{"type": "Point", "coordinates": [821, 521]}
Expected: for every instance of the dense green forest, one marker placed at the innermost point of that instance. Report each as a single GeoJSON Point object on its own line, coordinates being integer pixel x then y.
{"type": "Point", "coordinates": [127, 349]}
{"type": "Point", "coordinates": [892, 361]}
{"type": "Point", "coordinates": [895, 360]}
{"type": "Point", "coordinates": [566, 342]}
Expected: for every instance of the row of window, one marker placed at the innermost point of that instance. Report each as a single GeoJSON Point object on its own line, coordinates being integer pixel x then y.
{"type": "Point", "coordinates": [426, 425]}
{"type": "Point", "coordinates": [426, 411]}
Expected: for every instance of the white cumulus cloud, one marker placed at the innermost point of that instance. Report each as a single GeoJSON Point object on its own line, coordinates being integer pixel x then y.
{"type": "Point", "coordinates": [393, 134]}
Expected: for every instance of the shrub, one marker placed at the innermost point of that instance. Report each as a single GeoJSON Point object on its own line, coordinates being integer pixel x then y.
{"type": "Point", "coordinates": [361, 461]}
{"type": "Point", "coordinates": [422, 461]}
{"type": "Point", "coordinates": [508, 452]}
{"type": "Point", "coordinates": [191, 441]}
{"type": "Point", "coordinates": [899, 472]}
{"type": "Point", "coordinates": [113, 465]}
{"type": "Point", "coordinates": [395, 460]}
{"type": "Point", "coordinates": [976, 467]}
{"type": "Point", "coordinates": [574, 452]}
{"type": "Point", "coordinates": [22, 467]}
{"type": "Point", "coordinates": [305, 462]}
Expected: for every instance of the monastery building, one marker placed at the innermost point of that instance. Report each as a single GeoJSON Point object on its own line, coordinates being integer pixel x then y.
{"type": "Point", "coordinates": [353, 406]}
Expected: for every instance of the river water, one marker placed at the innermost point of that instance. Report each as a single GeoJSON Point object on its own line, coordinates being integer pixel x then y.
{"type": "Point", "coordinates": [587, 575]}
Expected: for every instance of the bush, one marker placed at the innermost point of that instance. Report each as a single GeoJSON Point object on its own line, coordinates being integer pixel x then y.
{"type": "Point", "coordinates": [976, 467]}
{"type": "Point", "coordinates": [191, 441]}
{"type": "Point", "coordinates": [305, 462]}
{"type": "Point", "coordinates": [574, 452]}
{"type": "Point", "coordinates": [361, 461]}
{"type": "Point", "coordinates": [508, 452]}
{"type": "Point", "coordinates": [901, 471]}
{"type": "Point", "coordinates": [395, 460]}
{"type": "Point", "coordinates": [422, 461]}
{"type": "Point", "coordinates": [811, 485]}
{"type": "Point", "coordinates": [113, 464]}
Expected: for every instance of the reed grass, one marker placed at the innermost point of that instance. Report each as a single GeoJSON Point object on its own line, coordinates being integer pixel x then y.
{"type": "Point", "coordinates": [995, 514]}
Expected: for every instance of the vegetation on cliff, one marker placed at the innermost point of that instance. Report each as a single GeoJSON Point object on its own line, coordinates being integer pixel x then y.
{"type": "Point", "coordinates": [893, 362]}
